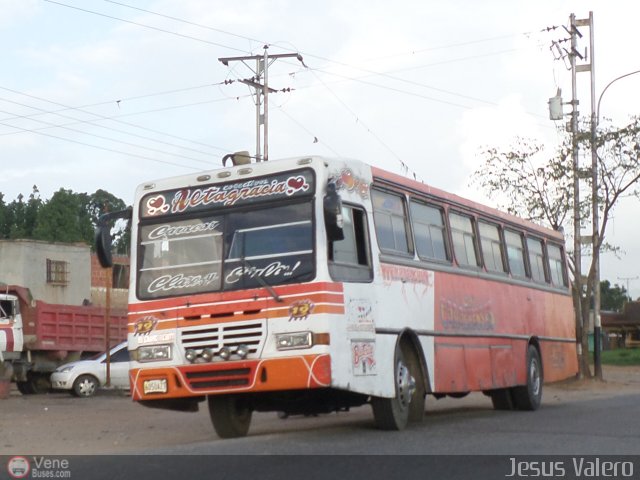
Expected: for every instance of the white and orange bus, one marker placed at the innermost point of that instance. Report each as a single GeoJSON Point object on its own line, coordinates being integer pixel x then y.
{"type": "Point", "coordinates": [310, 285]}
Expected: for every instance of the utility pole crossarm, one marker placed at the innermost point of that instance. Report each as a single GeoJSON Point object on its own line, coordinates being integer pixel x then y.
{"type": "Point", "coordinates": [262, 91]}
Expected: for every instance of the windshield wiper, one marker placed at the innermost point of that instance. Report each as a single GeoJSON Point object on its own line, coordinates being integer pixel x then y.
{"type": "Point", "coordinates": [262, 281]}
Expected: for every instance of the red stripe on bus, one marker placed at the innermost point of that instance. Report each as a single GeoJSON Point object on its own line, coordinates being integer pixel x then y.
{"type": "Point", "coordinates": [235, 296]}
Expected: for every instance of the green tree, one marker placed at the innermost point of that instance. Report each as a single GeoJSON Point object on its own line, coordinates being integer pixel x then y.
{"type": "Point", "coordinates": [65, 218]}
{"type": "Point", "coordinates": [22, 216]}
{"type": "Point", "coordinates": [612, 298]}
{"type": "Point", "coordinates": [530, 182]}
{"type": "Point", "coordinates": [101, 202]}
{"type": "Point", "coordinates": [4, 218]}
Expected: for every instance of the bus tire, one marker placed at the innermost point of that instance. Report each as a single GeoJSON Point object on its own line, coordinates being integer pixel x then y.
{"type": "Point", "coordinates": [230, 415]}
{"type": "Point", "coordinates": [529, 396]}
{"type": "Point", "coordinates": [393, 413]}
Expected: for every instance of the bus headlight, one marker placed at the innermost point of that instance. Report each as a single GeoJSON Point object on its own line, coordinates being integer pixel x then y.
{"type": "Point", "coordinates": [292, 341]}
{"type": "Point", "coordinates": [153, 353]}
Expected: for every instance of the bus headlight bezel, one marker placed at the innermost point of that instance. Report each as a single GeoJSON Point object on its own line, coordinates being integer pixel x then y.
{"type": "Point", "coordinates": [294, 340]}
{"type": "Point", "coordinates": [154, 353]}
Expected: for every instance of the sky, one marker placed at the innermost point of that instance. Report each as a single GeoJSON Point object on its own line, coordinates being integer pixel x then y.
{"type": "Point", "coordinates": [100, 94]}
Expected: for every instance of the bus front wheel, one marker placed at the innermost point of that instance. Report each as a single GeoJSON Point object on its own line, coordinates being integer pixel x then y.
{"type": "Point", "coordinates": [230, 415]}
{"type": "Point", "coordinates": [393, 413]}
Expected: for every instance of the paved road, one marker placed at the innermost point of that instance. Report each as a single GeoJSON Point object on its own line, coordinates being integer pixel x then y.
{"type": "Point", "coordinates": [594, 427]}
{"type": "Point", "coordinates": [484, 442]}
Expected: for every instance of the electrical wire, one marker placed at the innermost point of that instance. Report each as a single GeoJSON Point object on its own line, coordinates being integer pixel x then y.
{"type": "Point", "coordinates": [315, 138]}
{"type": "Point", "coordinates": [150, 27]}
{"type": "Point", "coordinates": [186, 21]}
{"type": "Point", "coordinates": [101, 137]}
{"type": "Point", "coordinates": [102, 148]}
{"type": "Point", "coordinates": [89, 122]}
{"type": "Point", "coordinates": [371, 132]}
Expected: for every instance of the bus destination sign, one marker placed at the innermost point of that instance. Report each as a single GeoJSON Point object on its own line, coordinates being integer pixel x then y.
{"type": "Point", "coordinates": [190, 199]}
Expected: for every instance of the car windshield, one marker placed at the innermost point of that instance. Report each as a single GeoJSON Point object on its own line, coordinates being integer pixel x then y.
{"type": "Point", "coordinates": [102, 355]}
{"type": "Point", "coordinates": [241, 248]}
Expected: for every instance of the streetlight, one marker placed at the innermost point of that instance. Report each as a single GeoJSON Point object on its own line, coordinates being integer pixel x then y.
{"type": "Point", "coordinates": [596, 228]}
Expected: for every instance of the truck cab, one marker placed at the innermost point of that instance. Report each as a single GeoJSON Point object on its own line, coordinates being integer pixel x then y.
{"type": "Point", "coordinates": [11, 335]}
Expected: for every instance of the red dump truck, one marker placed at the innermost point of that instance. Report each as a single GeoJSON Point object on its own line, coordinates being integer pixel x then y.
{"type": "Point", "coordinates": [36, 337]}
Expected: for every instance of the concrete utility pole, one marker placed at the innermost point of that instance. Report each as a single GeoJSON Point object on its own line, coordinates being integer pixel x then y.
{"type": "Point", "coordinates": [555, 113]}
{"type": "Point", "coordinates": [577, 245]}
{"type": "Point", "coordinates": [262, 91]}
{"type": "Point", "coordinates": [595, 207]}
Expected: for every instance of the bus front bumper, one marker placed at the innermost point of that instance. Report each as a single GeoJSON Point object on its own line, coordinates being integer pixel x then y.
{"type": "Point", "coordinates": [262, 375]}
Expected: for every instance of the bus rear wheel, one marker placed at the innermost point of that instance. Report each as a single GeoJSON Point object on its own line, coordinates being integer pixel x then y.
{"type": "Point", "coordinates": [529, 396]}
{"type": "Point", "coordinates": [230, 415]}
{"type": "Point", "coordinates": [394, 413]}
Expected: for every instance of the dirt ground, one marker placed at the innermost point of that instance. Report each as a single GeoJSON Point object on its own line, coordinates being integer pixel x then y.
{"type": "Point", "coordinates": [59, 424]}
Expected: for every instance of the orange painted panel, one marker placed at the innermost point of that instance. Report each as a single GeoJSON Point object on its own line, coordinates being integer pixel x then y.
{"type": "Point", "coordinates": [290, 373]}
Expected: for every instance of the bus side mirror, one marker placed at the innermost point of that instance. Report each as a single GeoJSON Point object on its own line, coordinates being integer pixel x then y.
{"type": "Point", "coordinates": [103, 243]}
{"type": "Point", "coordinates": [103, 236]}
{"type": "Point", "coordinates": [333, 221]}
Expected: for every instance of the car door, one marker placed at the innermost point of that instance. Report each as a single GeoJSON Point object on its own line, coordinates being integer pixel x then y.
{"type": "Point", "coordinates": [120, 368]}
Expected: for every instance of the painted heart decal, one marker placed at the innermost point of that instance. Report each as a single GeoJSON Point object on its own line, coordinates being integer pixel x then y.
{"type": "Point", "coordinates": [296, 183]}
{"type": "Point", "coordinates": [156, 205]}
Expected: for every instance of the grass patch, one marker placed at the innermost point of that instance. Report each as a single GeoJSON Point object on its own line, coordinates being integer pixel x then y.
{"type": "Point", "coordinates": [620, 357]}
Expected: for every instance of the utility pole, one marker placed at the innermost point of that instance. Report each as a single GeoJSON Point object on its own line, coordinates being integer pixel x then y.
{"type": "Point", "coordinates": [555, 111]}
{"type": "Point", "coordinates": [577, 244]}
{"type": "Point", "coordinates": [262, 90]}
{"type": "Point", "coordinates": [595, 208]}
{"type": "Point", "coordinates": [628, 279]}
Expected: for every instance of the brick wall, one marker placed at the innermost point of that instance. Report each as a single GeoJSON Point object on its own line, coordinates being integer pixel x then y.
{"type": "Point", "coordinates": [98, 274]}
{"type": "Point", "coordinates": [119, 296]}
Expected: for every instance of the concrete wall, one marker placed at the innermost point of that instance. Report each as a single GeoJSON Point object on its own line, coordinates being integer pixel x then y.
{"type": "Point", "coordinates": [24, 262]}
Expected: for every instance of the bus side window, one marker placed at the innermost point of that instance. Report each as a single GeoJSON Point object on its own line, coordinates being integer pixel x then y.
{"type": "Point", "coordinates": [429, 231]}
{"type": "Point", "coordinates": [556, 266]}
{"type": "Point", "coordinates": [492, 250]}
{"type": "Point", "coordinates": [515, 253]}
{"type": "Point", "coordinates": [464, 240]}
{"type": "Point", "coordinates": [390, 218]}
{"type": "Point", "coordinates": [536, 260]}
{"type": "Point", "coordinates": [350, 258]}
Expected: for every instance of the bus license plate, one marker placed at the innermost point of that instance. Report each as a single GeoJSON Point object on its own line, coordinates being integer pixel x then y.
{"type": "Point", "coordinates": [155, 386]}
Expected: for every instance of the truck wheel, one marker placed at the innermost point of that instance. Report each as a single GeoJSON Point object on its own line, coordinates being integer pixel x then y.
{"type": "Point", "coordinates": [393, 413]}
{"type": "Point", "coordinates": [85, 386]}
{"type": "Point", "coordinates": [529, 396]}
{"type": "Point", "coordinates": [230, 415]}
{"type": "Point", "coordinates": [39, 382]}
{"type": "Point", "coordinates": [25, 388]}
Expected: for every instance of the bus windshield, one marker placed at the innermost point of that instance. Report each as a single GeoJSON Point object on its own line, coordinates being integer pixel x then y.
{"type": "Point", "coordinates": [233, 250]}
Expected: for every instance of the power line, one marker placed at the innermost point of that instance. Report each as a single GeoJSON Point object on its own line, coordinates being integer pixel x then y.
{"type": "Point", "coordinates": [186, 21]}
{"type": "Point", "coordinates": [360, 122]}
{"type": "Point", "coordinates": [101, 137]}
{"type": "Point", "coordinates": [101, 148]}
{"type": "Point", "coordinates": [454, 45]}
{"type": "Point", "coordinates": [150, 27]}
{"type": "Point", "coordinates": [299, 124]}
{"type": "Point", "coordinates": [113, 118]}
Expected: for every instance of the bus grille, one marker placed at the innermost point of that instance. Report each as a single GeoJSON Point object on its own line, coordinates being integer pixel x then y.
{"type": "Point", "coordinates": [219, 378]}
{"type": "Point", "coordinates": [231, 335]}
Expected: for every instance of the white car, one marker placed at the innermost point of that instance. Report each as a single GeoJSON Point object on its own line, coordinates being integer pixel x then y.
{"type": "Point", "coordinates": [84, 377]}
